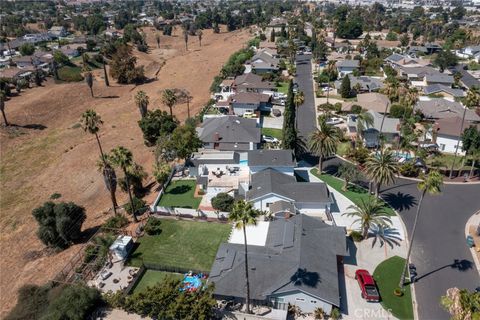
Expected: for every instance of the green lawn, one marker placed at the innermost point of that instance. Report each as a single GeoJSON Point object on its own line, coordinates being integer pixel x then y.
{"type": "Point", "coordinates": [283, 87]}
{"type": "Point", "coordinates": [180, 193]}
{"type": "Point", "coordinates": [70, 73]}
{"type": "Point", "coordinates": [387, 275]}
{"type": "Point", "coordinates": [152, 277]}
{"type": "Point", "coordinates": [354, 193]}
{"type": "Point", "coordinates": [182, 244]}
{"type": "Point", "coordinates": [445, 161]}
{"type": "Point", "coordinates": [276, 133]}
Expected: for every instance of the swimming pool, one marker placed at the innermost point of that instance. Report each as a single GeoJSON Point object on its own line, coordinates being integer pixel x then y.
{"type": "Point", "coordinates": [243, 162]}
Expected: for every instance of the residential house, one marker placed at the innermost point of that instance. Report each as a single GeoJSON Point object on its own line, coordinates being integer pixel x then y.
{"type": "Point", "coordinates": [297, 265]}
{"type": "Point", "coordinates": [58, 31]}
{"type": "Point", "coordinates": [250, 82]}
{"type": "Point", "coordinates": [468, 52]}
{"type": "Point", "coordinates": [439, 108]}
{"type": "Point", "coordinates": [426, 49]}
{"type": "Point", "coordinates": [467, 80]}
{"type": "Point", "coordinates": [423, 76]}
{"type": "Point", "coordinates": [365, 83]}
{"type": "Point", "coordinates": [269, 186]}
{"type": "Point", "coordinates": [249, 102]}
{"type": "Point", "coordinates": [15, 73]}
{"type": "Point", "coordinates": [226, 90]}
{"type": "Point", "coordinates": [446, 133]}
{"type": "Point", "coordinates": [443, 90]}
{"type": "Point", "coordinates": [439, 79]}
{"type": "Point", "coordinates": [113, 33]}
{"type": "Point", "coordinates": [281, 160]}
{"type": "Point", "coordinates": [397, 60]}
{"type": "Point", "coordinates": [264, 61]}
{"type": "Point", "coordinates": [230, 133]}
{"type": "Point", "coordinates": [369, 101]}
{"type": "Point", "coordinates": [69, 51]}
{"type": "Point", "coordinates": [346, 67]}
{"type": "Point", "coordinates": [390, 128]}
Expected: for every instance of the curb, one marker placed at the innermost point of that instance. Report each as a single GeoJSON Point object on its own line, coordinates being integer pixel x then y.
{"type": "Point", "coordinates": [475, 216]}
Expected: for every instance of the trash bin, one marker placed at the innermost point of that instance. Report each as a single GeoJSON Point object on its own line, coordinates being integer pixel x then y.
{"type": "Point", "coordinates": [470, 242]}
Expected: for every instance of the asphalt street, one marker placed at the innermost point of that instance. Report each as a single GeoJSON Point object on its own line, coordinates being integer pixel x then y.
{"type": "Point", "coordinates": [306, 111]}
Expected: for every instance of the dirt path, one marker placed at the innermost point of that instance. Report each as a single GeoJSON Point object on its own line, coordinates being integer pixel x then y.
{"type": "Point", "coordinates": [53, 154]}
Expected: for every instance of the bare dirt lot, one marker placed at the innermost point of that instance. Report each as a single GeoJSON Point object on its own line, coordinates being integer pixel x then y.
{"type": "Point", "coordinates": [47, 152]}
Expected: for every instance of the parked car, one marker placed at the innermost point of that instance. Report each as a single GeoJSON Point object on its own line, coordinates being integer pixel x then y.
{"type": "Point", "coordinates": [270, 139]}
{"type": "Point", "coordinates": [327, 89]}
{"type": "Point", "coordinates": [105, 274]}
{"type": "Point", "coordinates": [367, 285]}
{"type": "Point", "coordinates": [334, 121]}
{"type": "Point", "coordinates": [249, 114]}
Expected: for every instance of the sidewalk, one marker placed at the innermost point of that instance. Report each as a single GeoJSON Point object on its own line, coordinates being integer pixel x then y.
{"type": "Point", "coordinates": [471, 229]}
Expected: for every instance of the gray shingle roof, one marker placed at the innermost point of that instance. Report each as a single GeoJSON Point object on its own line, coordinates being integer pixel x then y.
{"type": "Point", "coordinates": [467, 79]}
{"type": "Point", "coordinates": [274, 158]}
{"type": "Point", "coordinates": [435, 88]}
{"type": "Point", "coordinates": [229, 129]}
{"type": "Point", "coordinates": [270, 181]}
{"type": "Point", "coordinates": [366, 83]}
{"type": "Point", "coordinates": [442, 108]}
{"type": "Point", "coordinates": [348, 64]}
{"type": "Point", "coordinates": [252, 81]}
{"type": "Point", "coordinates": [439, 78]}
{"type": "Point", "coordinates": [300, 254]}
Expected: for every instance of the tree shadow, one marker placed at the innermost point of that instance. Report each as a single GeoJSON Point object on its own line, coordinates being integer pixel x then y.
{"type": "Point", "coordinates": [385, 235]}
{"type": "Point", "coordinates": [461, 265]}
{"type": "Point", "coordinates": [304, 277]}
{"type": "Point", "coordinates": [34, 126]}
{"type": "Point", "coordinates": [180, 189]}
{"type": "Point", "coordinates": [331, 169]}
{"type": "Point", "coordinates": [87, 234]}
{"type": "Point", "coordinates": [109, 97]}
{"type": "Point", "coordinates": [400, 201]}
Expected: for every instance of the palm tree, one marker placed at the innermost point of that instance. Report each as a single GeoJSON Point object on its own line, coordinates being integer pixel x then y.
{"type": "Point", "coordinates": [169, 99]}
{"type": "Point", "coordinates": [381, 169]}
{"type": "Point", "coordinates": [323, 142]}
{"type": "Point", "coordinates": [369, 213]}
{"type": "Point", "coordinates": [298, 99]}
{"type": "Point", "coordinates": [242, 215]}
{"type": "Point", "coordinates": [105, 74]}
{"type": "Point", "coordinates": [2, 108]}
{"type": "Point", "coordinates": [89, 81]}
{"type": "Point", "coordinates": [142, 101]}
{"type": "Point", "coordinates": [200, 34]}
{"type": "Point", "coordinates": [431, 184]}
{"type": "Point", "coordinates": [472, 100]}
{"type": "Point", "coordinates": [109, 177]}
{"type": "Point", "coordinates": [364, 121]}
{"type": "Point", "coordinates": [91, 123]}
{"type": "Point", "coordinates": [123, 158]}
{"type": "Point", "coordinates": [185, 38]}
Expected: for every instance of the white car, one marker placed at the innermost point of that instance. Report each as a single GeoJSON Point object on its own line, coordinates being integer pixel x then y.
{"type": "Point", "coordinates": [326, 89]}
{"type": "Point", "coordinates": [334, 121]}
{"type": "Point", "coordinates": [269, 139]}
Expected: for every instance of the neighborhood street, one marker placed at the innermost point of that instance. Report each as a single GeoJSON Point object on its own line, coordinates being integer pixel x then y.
{"type": "Point", "coordinates": [306, 112]}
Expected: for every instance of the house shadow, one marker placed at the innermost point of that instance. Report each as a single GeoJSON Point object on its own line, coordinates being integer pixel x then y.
{"type": "Point", "coordinates": [302, 175]}
{"type": "Point", "coordinates": [342, 289]}
{"type": "Point", "coordinates": [400, 201]}
{"type": "Point", "coordinates": [303, 277]}
{"type": "Point", "coordinates": [351, 259]}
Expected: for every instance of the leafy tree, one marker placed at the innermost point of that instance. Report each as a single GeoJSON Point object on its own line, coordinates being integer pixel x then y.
{"type": "Point", "coordinates": [223, 202]}
{"type": "Point", "coordinates": [272, 35]}
{"type": "Point", "coordinates": [461, 304]}
{"type": "Point", "coordinates": [89, 81]}
{"type": "Point", "coordinates": [155, 124]}
{"type": "Point", "coordinates": [346, 89]}
{"type": "Point", "coordinates": [142, 100]}
{"type": "Point", "coordinates": [381, 169]}
{"type": "Point", "coordinates": [169, 99]}
{"type": "Point", "coordinates": [471, 144]}
{"type": "Point", "coordinates": [153, 226]}
{"type": "Point", "coordinates": [404, 40]}
{"type": "Point", "coordinates": [349, 29]}
{"type": "Point", "coordinates": [399, 111]}
{"type": "Point", "coordinates": [458, 12]}
{"type": "Point", "coordinates": [184, 141]}
{"type": "Point", "coordinates": [32, 302]}
{"type": "Point", "coordinates": [430, 184]}
{"type": "Point", "coordinates": [242, 215]}
{"type": "Point", "coordinates": [445, 59]}
{"type": "Point", "coordinates": [289, 132]}
{"type": "Point", "coordinates": [161, 172]}
{"type": "Point", "coordinates": [369, 213]}
{"type": "Point", "coordinates": [298, 100]}
{"type": "Point", "coordinates": [76, 302]}
{"type": "Point", "coordinates": [60, 58]}
{"type": "Point", "coordinates": [137, 204]}
{"type": "Point", "coordinates": [123, 158]}
{"type": "Point", "coordinates": [324, 141]}
{"type": "Point", "coordinates": [59, 223]}
{"type": "Point", "coordinates": [123, 66]}
{"type": "Point", "coordinates": [391, 36]}
{"type": "Point", "coordinates": [27, 49]}
{"type": "Point", "coordinates": [348, 172]}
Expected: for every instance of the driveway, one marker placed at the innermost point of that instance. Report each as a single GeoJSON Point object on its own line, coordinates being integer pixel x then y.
{"type": "Point", "coordinates": [440, 253]}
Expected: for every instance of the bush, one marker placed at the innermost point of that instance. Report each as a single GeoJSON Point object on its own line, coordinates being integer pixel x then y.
{"type": "Point", "coordinates": [356, 236]}
{"type": "Point", "coordinates": [155, 124]}
{"type": "Point", "coordinates": [153, 226]}
{"type": "Point", "coordinates": [138, 203]}
{"type": "Point", "coordinates": [223, 202]}
{"type": "Point", "coordinates": [356, 109]}
{"type": "Point", "coordinates": [335, 314]}
{"type": "Point", "coordinates": [408, 169]}
{"type": "Point", "coordinates": [27, 49]}
{"type": "Point", "coordinates": [115, 222]}
{"type": "Point", "coordinates": [399, 111]}
{"type": "Point", "coordinates": [359, 155]}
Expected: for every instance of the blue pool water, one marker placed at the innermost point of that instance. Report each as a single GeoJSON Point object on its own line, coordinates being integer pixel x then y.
{"type": "Point", "coordinates": [191, 283]}
{"type": "Point", "coordinates": [243, 162]}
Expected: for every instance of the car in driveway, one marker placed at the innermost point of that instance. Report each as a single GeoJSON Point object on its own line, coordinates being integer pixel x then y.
{"type": "Point", "coordinates": [334, 120]}
{"type": "Point", "coordinates": [270, 139]}
{"type": "Point", "coordinates": [367, 285]}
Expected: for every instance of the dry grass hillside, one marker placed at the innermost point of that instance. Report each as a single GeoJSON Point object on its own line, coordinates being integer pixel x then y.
{"type": "Point", "coordinates": [47, 152]}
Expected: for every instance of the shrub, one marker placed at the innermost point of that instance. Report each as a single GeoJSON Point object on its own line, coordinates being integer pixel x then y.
{"type": "Point", "coordinates": [408, 169]}
{"type": "Point", "coordinates": [359, 155]}
{"type": "Point", "coordinates": [356, 236]}
{"type": "Point", "coordinates": [223, 202]}
{"type": "Point", "coordinates": [138, 203]}
{"type": "Point", "coordinates": [55, 196]}
{"type": "Point", "coordinates": [115, 222]}
{"type": "Point", "coordinates": [335, 314]}
{"type": "Point", "coordinates": [400, 111]}
{"type": "Point", "coordinates": [153, 226]}
{"type": "Point", "coordinates": [27, 49]}
{"type": "Point", "coordinates": [356, 109]}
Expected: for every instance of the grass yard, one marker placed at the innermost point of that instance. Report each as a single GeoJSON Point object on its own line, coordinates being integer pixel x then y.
{"type": "Point", "coordinates": [283, 87]}
{"type": "Point", "coordinates": [182, 244]}
{"type": "Point", "coordinates": [276, 133]}
{"type": "Point", "coordinates": [152, 277]}
{"type": "Point", "coordinates": [354, 193]}
{"type": "Point", "coordinates": [445, 161]}
{"type": "Point", "coordinates": [180, 193]}
{"type": "Point", "coordinates": [387, 275]}
{"type": "Point", "coordinates": [70, 73]}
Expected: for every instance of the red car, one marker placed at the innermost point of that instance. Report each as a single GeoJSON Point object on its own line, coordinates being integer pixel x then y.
{"type": "Point", "coordinates": [367, 285]}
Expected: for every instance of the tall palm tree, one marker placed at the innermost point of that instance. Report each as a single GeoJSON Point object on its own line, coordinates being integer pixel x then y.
{"type": "Point", "coordinates": [123, 158]}
{"type": "Point", "coordinates": [169, 99]}
{"type": "Point", "coordinates": [242, 215]}
{"type": "Point", "coordinates": [381, 169]}
{"type": "Point", "coordinates": [109, 177]}
{"type": "Point", "coordinates": [472, 100]}
{"type": "Point", "coordinates": [431, 184]}
{"type": "Point", "coordinates": [298, 99]}
{"type": "Point", "coordinates": [104, 64]}
{"type": "Point", "coordinates": [89, 81]}
{"type": "Point", "coordinates": [2, 108]}
{"type": "Point", "coordinates": [200, 34]}
{"type": "Point", "coordinates": [142, 101]}
{"type": "Point", "coordinates": [369, 213]}
{"type": "Point", "coordinates": [364, 121]}
{"type": "Point", "coordinates": [323, 142]}
{"type": "Point", "coordinates": [91, 123]}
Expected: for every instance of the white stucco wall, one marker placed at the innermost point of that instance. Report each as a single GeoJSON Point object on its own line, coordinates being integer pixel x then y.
{"type": "Point", "coordinates": [448, 144]}
{"type": "Point", "coordinates": [263, 202]}
{"type": "Point", "coordinates": [304, 301]}
{"type": "Point", "coordinates": [285, 170]}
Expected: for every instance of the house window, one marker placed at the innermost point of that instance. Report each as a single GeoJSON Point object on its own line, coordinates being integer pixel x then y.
{"type": "Point", "coordinates": [268, 204]}
{"type": "Point", "coordinates": [313, 301]}
{"type": "Point", "coordinates": [280, 300]}
{"type": "Point", "coordinates": [300, 299]}
{"type": "Point", "coordinates": [442, 146]}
